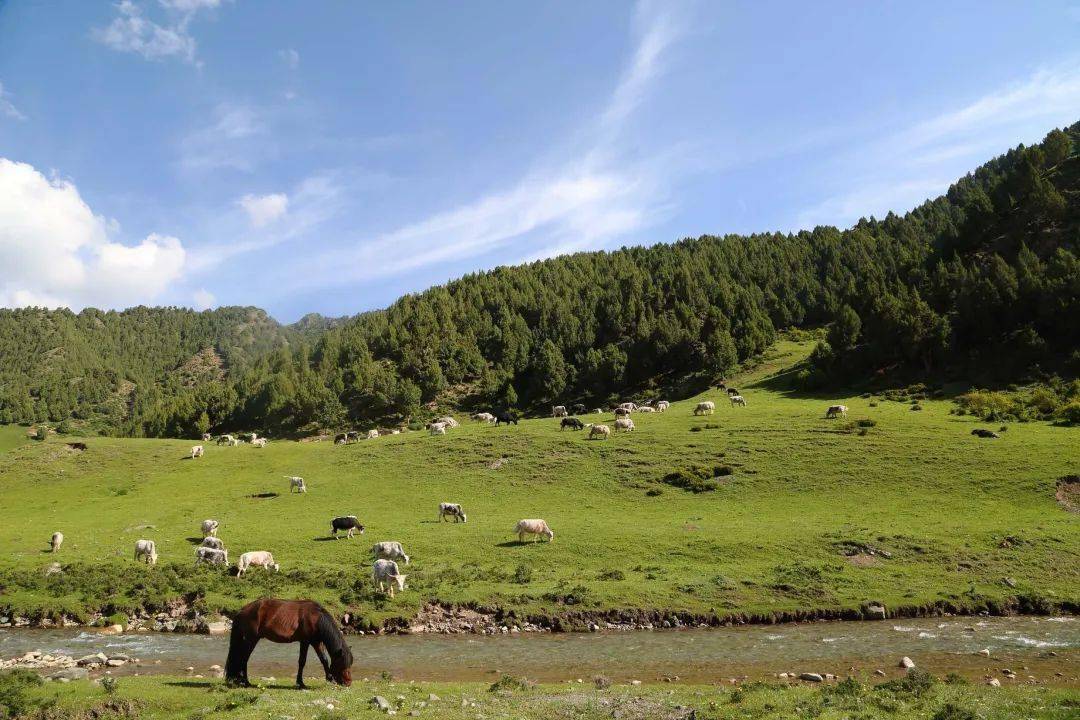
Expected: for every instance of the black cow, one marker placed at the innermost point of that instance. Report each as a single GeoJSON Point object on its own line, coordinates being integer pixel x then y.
{"type": "Point", "coordinates": [985, 433]}
{"type": "Point", "coordinates": [349, 523]}
{"type": "Point", "coordinates": [579, 409]}
{"type": "Point", "coordinates": [341, 438]}
{"type": "Point", "coordinates": [505, 418]}
{"type": "Point", "coordinates": [732, 392]}
{"type": "Point", "coordinates": [571, 423]}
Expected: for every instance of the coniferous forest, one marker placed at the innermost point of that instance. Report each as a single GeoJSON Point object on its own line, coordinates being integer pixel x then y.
{"type": "Point", "coordinates": [981, 284]}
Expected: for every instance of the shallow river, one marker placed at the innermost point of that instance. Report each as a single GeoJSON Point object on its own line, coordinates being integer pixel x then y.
{"type": "Point", "coordinates": [1049, 649]}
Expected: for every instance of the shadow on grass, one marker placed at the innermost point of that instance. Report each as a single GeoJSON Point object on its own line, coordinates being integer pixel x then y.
{"type": "Point", "coordinates": [328, 538]}
{"type": "Point", "coordinates": [265, 495]}
{"type": "Point", "coordinates": [194, 540]}
{"type": "Point", "coordinates": [518, 543]}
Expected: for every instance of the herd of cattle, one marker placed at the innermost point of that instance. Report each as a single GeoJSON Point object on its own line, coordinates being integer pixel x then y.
{"type": "Point", "coordinates": [386, 572]}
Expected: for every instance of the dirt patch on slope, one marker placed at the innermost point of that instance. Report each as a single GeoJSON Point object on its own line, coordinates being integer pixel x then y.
{"type": "Point", "coordinates": [1068, 492]}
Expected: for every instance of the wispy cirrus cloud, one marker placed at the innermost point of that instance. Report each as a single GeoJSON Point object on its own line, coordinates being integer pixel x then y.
{"type": "Point", "coordinates": [231, 140]}
{"type": "Point", "coordinates": [133, 31]}
{"type": "Point", "coordinates": [901, 170]}
{"type": "Point", "coordinates": [264, 209]}
{"type": "Point", "coordinates": [7, 107]}
{"type": "Point", "coordinates": [585, 200]}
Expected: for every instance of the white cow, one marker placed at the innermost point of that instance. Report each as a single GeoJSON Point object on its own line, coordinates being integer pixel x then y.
{"type": "Point", "coordinates": [211, 556]}
{"type": "Point", "coordinates": [56, 541]}
{"type": "Point", "coordinates": [484, 417]}
{"type": "Point", "coordinates": [212, 542]}
{"type": "Point", "coordinates": [599, 430]}
{"type": "Point", "coordinates": [835, 410]}
{"type": "Point", "coordinates": [209, 528]}
{"type": "Point", "coordinates": [646, 409]}
{"type": "Point", "coordinates": [146, 550]}
{"type": "Point", "coordinates": [206, 437]}
{"type": "Point", "coordinates": [535, 527]}
{"type": "Point", "coordinates": [386, 575]}
{"type": "Point", "coordinates": [259, 442]}
{"type": "Point", "coordinates": [559, 411]}
{"type": "Point", "coordinates": [437, 428]}
{"type": "Point", "coordinates": [225, 440]}
{"type": "Point", "coordinates": [738, 400]}
{"type": "Point", "coordinates": [453, 510]}
{"type": "Point", "coordinates": [628, 406]}
{"type": "Point", "coordinates": [372, 434]}
{"type": "Point", "coordinates": [389, 550]}
{"type": "Point", "coordinates": [296, 483]}
{"type": "Point", "coordinates": [196, 451]}
{"type": "Point", "coordinates": [624, 424]}
{"type": "Point", "coordinates": [256, 558]}
{"type": "Point", "coordinates": [448, 421]}
{"type": "Point", "coordinates": [705, 408]}
{"type": "Point", "coordinates": [662, 406]}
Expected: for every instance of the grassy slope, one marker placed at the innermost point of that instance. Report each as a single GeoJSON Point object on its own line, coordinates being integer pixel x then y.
{"type": "Point", "coordinates": [176, 699]}
{"type": "Point", "coordinates": [11, 436]}
{"type": "Point", "coordinates": [918, 485]}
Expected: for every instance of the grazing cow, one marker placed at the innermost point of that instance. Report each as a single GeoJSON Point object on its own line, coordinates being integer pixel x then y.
{"type": "Point", "coordinates": [646, 409]}
{"type": "Point", "coordinates": [599, 411]}
{"type": "Point", "coordinates": [56, 541]}
{"type": "Point", "coordinates": [146, 550]}
{"type": "Point", "coordinates": [558, 411]}
{"type": "Point", "coordinates": [484, 417]}
{"type": "Point", "coordinates": [453, 510]}
{"type": "Point", "coordinates": [622, 412]}
{"type": "Point", "coordinates": [212, 542]}
{"type": "Point", "coordinates": [196, 451]}
{"type": "Point", "coordinates": [341, 439]}
{"type": "Point", "coordinates": [836, 410]}
{"type": "Point", "coordinates": [252, 437]}
{"type": "Point", "coordinates": [662, 406]}
{"type": "Point", "coordinates": [983, 433]}
{"type": "Point", "coordinates": [578, 409]}
{"type": "Point", "coordinates": [571, 423]}
{"type": "Point", "coordinates": [705, 408]}
{"type": "Point", "coordinates": [738, 400]}
{"type": "Point", "coordinates": [389, 550]}
{"type": "Point", "coordinates": [259, 442]}
{"type": "Point", "coordinates": [206, 437]}
{"type": "Point", "coordinates": [348, 523]}
{"type": "Point", "coordinates": [535, 527]}
{"type": "Point", "coordinates": [296, 483]}
{"type": "Point", "coordinates": [628, 405]}
{"type": "Point", "coordinates": [225, 440]}
{"type": "Point", "coordinates": [603, 431]}
{"type": "Point", "coordinates": [234, 442]}
{"type": "Point", "coordinates": [721, 386]}
{"type": "Point", "coordinates": [505, 418]}
{"type": "Point", "coordinates": [386, 575]}
{"type": "Point", "coordinates": [256, 558]}
{"type": "Point", "coordinates": [395, 431]}
{"type": "Point", "coordinates": [447, 421]}
{"type": "Point", "coordinates": [352, 436]}
{"type": "Point", "coordinates": [211, 556]}
{"type": "Point", "coordinates": [732, 391]}
{"type": "Point", "coordinates": [624, 424]}
{"type": "Point", "coordinates": [372, 434]}
{"type": "Point", "coordinates": [437, 429]}
{"type": "Point", "coordinates": [210, 528]}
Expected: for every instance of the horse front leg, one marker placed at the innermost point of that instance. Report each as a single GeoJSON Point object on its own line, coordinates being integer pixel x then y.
{"type": "Point", "coordinates": [324, 660]}
{"type": "Point", "coordinates": [300, 666]}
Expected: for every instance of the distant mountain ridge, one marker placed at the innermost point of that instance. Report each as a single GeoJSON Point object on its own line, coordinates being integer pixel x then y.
{"type": "Point", "coordinates": [982, 280]}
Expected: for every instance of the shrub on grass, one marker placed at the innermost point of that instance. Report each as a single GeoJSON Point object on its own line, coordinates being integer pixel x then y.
{"type": "Point", "coordinates": [654, 492]}
{"type": "Point", "coordinates": [916, 406]}
{"type": "Point", "coordinates": [612, 575]}
{"type": "Point", "coordinates": [109, 684]}
{"type": "Point", "coordinates": [697, 479]}
{"type": "Point", "coordinates": [916, 683]}
{"type": "Point", "coordinates": [949, 711]}
{"type": "Point", "coordinates": [509, 683]}
{"type": "Point", "coordinates": [866, 423]}
{"type": "Point", "coordinates": [601, 682]}
{"type": "Point", "coordinates": [523, 574]}
{"type": "Point", "coordinates": [15, 692]}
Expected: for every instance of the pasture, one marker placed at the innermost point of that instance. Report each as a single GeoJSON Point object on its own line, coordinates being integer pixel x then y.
{"type": "Point", "coordinates": [964, 521]}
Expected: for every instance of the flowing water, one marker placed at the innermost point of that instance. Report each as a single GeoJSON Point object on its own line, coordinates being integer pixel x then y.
{"type": "Point", "coordinates": [1046, 648]}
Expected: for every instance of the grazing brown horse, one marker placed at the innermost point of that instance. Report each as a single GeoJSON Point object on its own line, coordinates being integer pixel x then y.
{"type": "Point", "coordinates": [288, 621]}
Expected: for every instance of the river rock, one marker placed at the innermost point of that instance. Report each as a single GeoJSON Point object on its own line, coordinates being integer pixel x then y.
{"type": "Point", "coordinates": [432, 697]}
{"type": "Point", "coordinates": [91, 660]}
{"type": "Point", "coordinates": [112, 630]}
{"type": "Point", "coordinates": [906, 663]}
{"type": "Point", "coordinates": [219, 628]}
{"type": "Point", "coordinates": [993, 682]}
{"type": "Point", "coordinates": [381, 703]}
{"type": "Point", "coordinates": [985, 652]}
{"type": "Point", "coordinates": [875, 611]}
{"type": "Point", "coordinates": [811, 677]}
{"type": "Point", "coordinates": [112, 662]}
{"type": "Point", "coordinates": [75, 673]}
{"type": "Point", "coordinates": [120, 656]}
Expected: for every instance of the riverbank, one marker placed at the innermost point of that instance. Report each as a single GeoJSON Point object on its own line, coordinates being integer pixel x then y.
{"type": "Point", "coordinates": [182, 698]}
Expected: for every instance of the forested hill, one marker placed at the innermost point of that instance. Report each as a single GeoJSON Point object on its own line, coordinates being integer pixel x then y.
{"type": "Point", "coordinates": [982, 281]}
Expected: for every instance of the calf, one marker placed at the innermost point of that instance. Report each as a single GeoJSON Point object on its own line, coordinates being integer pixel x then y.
{"type": "Point", "coordinates": [196, 451]}
{"type": "Point", "coordinates": [389, 550]}
{"type": "Point", "coordinates": [453, 510]}
{"type": "Point", "coordinates": [296, 483]}
{"type": "Point", "coordinates": [571, 423]}
{"type": "Point", "coordinates": [56, 541]}
{"type": "Point", "coordinates": [386, 575]}
{"type": "Point", "coordinates": [209, 528]}
{"type": "Point", "coordinates": [256, 558]}
{"type": "Point", "coordinates": [535, 527]}
{"type": "Point", "coordinates": [601, 431]}
{"type": "Point", "coordinates": [348, 523]}
{"type": "Point", "coordinates": [146, 550]}
{"type": "Point", "coordinates": [211, 556]}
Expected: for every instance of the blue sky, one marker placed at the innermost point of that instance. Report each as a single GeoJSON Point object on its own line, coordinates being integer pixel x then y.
{"type": "Point", "coordinates": [330, 157]}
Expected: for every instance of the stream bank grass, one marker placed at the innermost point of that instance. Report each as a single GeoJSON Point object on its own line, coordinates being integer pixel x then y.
{"type": "Point", "coordinates": [961, 520]}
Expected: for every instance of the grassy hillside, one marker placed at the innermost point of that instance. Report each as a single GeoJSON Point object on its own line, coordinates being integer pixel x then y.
{"type": "Point", "coordinates": [181, 698]}
{"type": "Point", "coordinates": [958, 514]}
{"type": "Point", "coordinates": [11, 436]}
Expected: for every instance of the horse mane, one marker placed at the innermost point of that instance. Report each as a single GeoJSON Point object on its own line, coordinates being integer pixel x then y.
{"type": "Point", "coordinates": [332, 638]}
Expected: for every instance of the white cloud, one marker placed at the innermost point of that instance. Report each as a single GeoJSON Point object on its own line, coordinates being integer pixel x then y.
{"type": "Point", "coordinates": [263, 209]}
{"type": "Point", "coordinates": [228, 142]}
{"type": "Point", "coordinates": [290, 57]}
{"type": "Point", "coordinates": [56, 251]}
{"type": "Point", "coordinates": [7, 108]}
{"type": "Point", "coordinates": [899, 171]}
{"type": "Point", "coordinates": [203, 299]}
{"type": "Point", "coordinates": [132, 31]}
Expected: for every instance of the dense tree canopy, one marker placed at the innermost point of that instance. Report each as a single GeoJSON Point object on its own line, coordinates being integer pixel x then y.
{"type": "Point", "coordinates": [987, 275]}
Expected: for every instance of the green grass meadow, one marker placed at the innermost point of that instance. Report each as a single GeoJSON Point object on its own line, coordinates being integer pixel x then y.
{"type": "Point", "coordinates": [958, 514]}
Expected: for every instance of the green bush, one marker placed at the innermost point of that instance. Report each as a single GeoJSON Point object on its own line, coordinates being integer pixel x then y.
{"type": "Point", "coordinates": [866, 423]}
{"type": "Point", "coordinates": [509, 683]}
{"type": "Point", "coordinates": [916, 682]}
{"type": "Point", "coordinates": [1070, 412]}
{"type": "Point", "coordinates": [949, 711]}
{"type": "Point", "coordinates": [523, 574]}
{"type": "Point", "coordinates": [16, 697]}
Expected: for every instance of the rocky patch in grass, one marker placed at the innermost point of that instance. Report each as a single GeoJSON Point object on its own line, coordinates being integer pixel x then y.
{"type": "Point", "coordinates": [1068, 492]}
